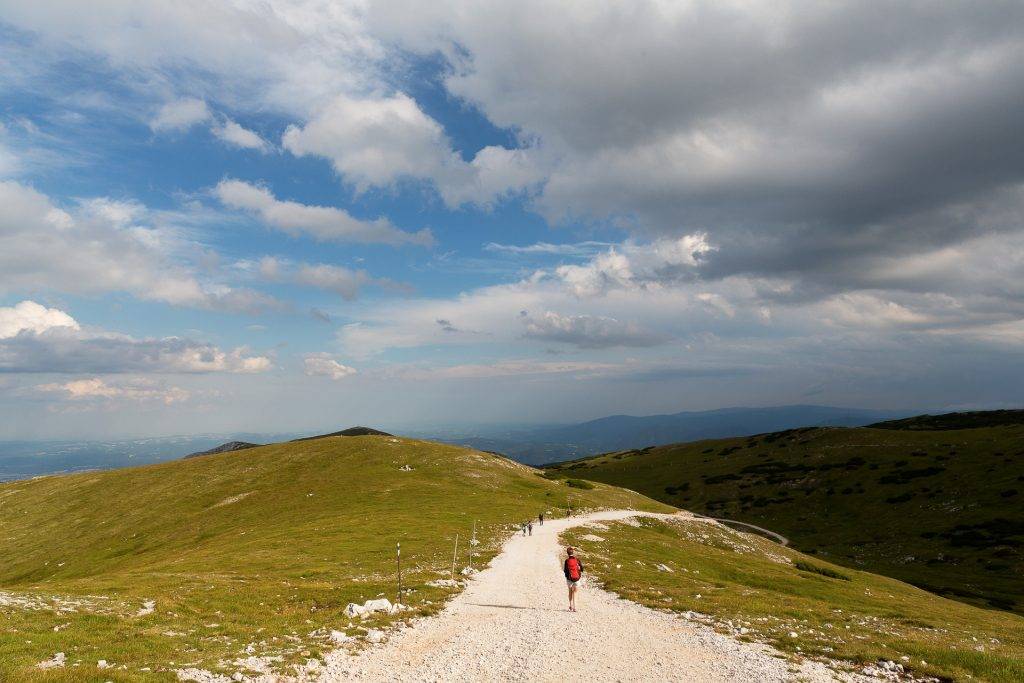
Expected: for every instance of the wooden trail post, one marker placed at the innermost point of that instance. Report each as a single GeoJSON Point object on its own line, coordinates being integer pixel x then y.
{"type": "Point", "coordinates": [398, 557]}
{"type": "Point", "coordinates": [455, 555]}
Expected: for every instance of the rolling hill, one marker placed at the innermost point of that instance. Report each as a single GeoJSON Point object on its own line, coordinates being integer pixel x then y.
{"type": "Point", "coordinates": [938, 508]}
{"type": "Point", "coordinates": [227, 447]}
{"type": "Point", "coordinates": [564, 442]}
{"type": "Point", "coordinates": [754, 589]}
{"type": "Point", "coordinates": [210, 560]}
{"type": "Point", "coordinates": [241, 562]}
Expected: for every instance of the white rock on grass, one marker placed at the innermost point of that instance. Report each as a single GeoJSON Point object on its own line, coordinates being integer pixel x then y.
{"type": "Point", "coordinates": [339, 637]}
{"type": "Point", "coordinates": [201, 676]}
{"type": "Point", "coordinates": [148, 607]}
{"type": "Point", "coordinates": [56, 662]}
{"type": "Point", "coordinates": [368, 607]}
{"type": "Point", "coordinates": [444, 583]}
{"type": "Point", "coordinates": [374, 635]}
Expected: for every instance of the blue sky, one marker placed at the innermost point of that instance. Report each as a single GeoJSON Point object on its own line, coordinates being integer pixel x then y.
{"type": "Point", "coordinates": [299, 215]}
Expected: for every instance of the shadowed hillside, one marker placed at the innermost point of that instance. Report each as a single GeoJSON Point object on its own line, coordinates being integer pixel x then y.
{"type": "Point", "coordinates": [974, 420]}
{"type": "Point", "coordinates": [753, 588]}
{"type": "Point", "coordinates": [939, 509]}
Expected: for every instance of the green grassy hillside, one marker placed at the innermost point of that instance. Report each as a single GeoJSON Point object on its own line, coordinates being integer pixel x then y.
{"type": "Point", "coordinates": [208, 561]}
{"type": "Point", "coordinates": [939, 509]}
{"type": "Point", "coordinates": [754, 589]}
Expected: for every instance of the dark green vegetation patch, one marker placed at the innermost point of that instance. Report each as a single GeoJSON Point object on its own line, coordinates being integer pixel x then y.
{"type": "Point", "coordinates": [939, 509]}
{"type": "Point", "coordinates": [948, 421]}
{"type": "Point", "coordinates": [817, 569]}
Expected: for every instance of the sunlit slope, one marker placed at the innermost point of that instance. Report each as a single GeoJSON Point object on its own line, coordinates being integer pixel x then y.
{"type": "Point", "coordinates": [263, 546]}
{"type": "Point", "coordinates": [940, 509]}
{"type": "Point", "coordinates": [754, 588]}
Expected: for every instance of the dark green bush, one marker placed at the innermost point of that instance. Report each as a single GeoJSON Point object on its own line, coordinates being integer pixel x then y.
{"type": "Point", "coordinates": [824, 571]}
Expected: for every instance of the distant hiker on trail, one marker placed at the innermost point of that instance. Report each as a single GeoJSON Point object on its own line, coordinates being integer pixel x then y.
{"type": "Point", "coordinates": [573, 570]}
{"type": "Point", "coordinates": [540, 517]}
{"type": "Point", "coordinates": [524, 528]}
{"type": "Point", "coordinates": [529, 526]}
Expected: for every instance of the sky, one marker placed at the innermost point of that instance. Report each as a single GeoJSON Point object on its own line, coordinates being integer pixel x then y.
{"type": "Point", "coordinates": [296, 215]}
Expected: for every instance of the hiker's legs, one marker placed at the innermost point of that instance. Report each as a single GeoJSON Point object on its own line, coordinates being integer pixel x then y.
{"type": "Point", "coordinates": [572, 598]}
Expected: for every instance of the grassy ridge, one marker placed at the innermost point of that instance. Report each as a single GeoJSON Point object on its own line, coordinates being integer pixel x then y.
{"type": "Point", "coordinates": [753, 588]}
{"type": "Point", "coordinates": [246, 553]}
{"type": "Point", "coordinates": [939, 509]}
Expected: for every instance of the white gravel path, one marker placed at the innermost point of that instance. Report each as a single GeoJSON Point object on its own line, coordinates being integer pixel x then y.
{"type": "Point", "coordinates": [511, 624]}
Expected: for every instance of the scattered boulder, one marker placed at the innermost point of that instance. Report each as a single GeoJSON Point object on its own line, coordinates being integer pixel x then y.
{"type": "Point", "coordinates": [885, 669]}
{"type": "Point", "coordinates": [56, 662]}
{"type": "Point", "coordinates": [371, 606]}
{"type": "Point", "coordinates": [339, 637]}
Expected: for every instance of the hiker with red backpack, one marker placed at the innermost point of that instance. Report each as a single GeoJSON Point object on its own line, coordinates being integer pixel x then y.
{"type": "Point", "coordinates": [573, 570]}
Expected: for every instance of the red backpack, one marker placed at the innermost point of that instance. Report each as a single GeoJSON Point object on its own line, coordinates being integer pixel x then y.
{"type": "Point", "coordinates": [572, 568]}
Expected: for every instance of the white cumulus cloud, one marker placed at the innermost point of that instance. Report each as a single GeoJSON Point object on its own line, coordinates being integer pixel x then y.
{"type": "Point", "coordinates": [320, 222]}
{"type": "Point", "coordinates": [32, 317]}
{"type": "Point", "coordinates": [323, 365]}
{"type": "Point", "coordinates": [379, 141]}
{"type": "Point", "coordinates": [238, 136]}
{"type": "Point", "coordinates": [180, 115]}
{"type": "Point", "coordinates": [36, 339]}
{"type": "Point", "coordinates": [103, 245]}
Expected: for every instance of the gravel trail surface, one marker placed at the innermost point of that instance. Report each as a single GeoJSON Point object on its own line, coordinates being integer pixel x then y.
{"type": "Point", "coordinates": [512, 624]}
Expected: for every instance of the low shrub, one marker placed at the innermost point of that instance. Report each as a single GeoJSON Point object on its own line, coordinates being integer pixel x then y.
{"type": "Point", "coordinates": [824, 571]}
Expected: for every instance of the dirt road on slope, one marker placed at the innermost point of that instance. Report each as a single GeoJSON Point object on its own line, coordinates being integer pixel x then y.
{"type": "Point", "coordinates": [511, 624]}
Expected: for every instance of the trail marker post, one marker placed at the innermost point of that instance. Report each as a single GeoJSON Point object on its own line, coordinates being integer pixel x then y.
{"type": "Point", "coordinates": [455, 555]}
{"type": "Point", "coordinates": [398, 557]}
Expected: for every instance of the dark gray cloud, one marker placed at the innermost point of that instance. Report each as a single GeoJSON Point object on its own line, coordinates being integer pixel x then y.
{"type": "Point", "coordinates": [806, 139]}
{"type": "Point", "coordinates": [588, 331]}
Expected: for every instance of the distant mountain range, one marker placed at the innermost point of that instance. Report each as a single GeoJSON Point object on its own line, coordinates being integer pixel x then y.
{"type": "Point", "coordinates": [531, 445]}
{"type": "Point", "coordinates": [620, 432]}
